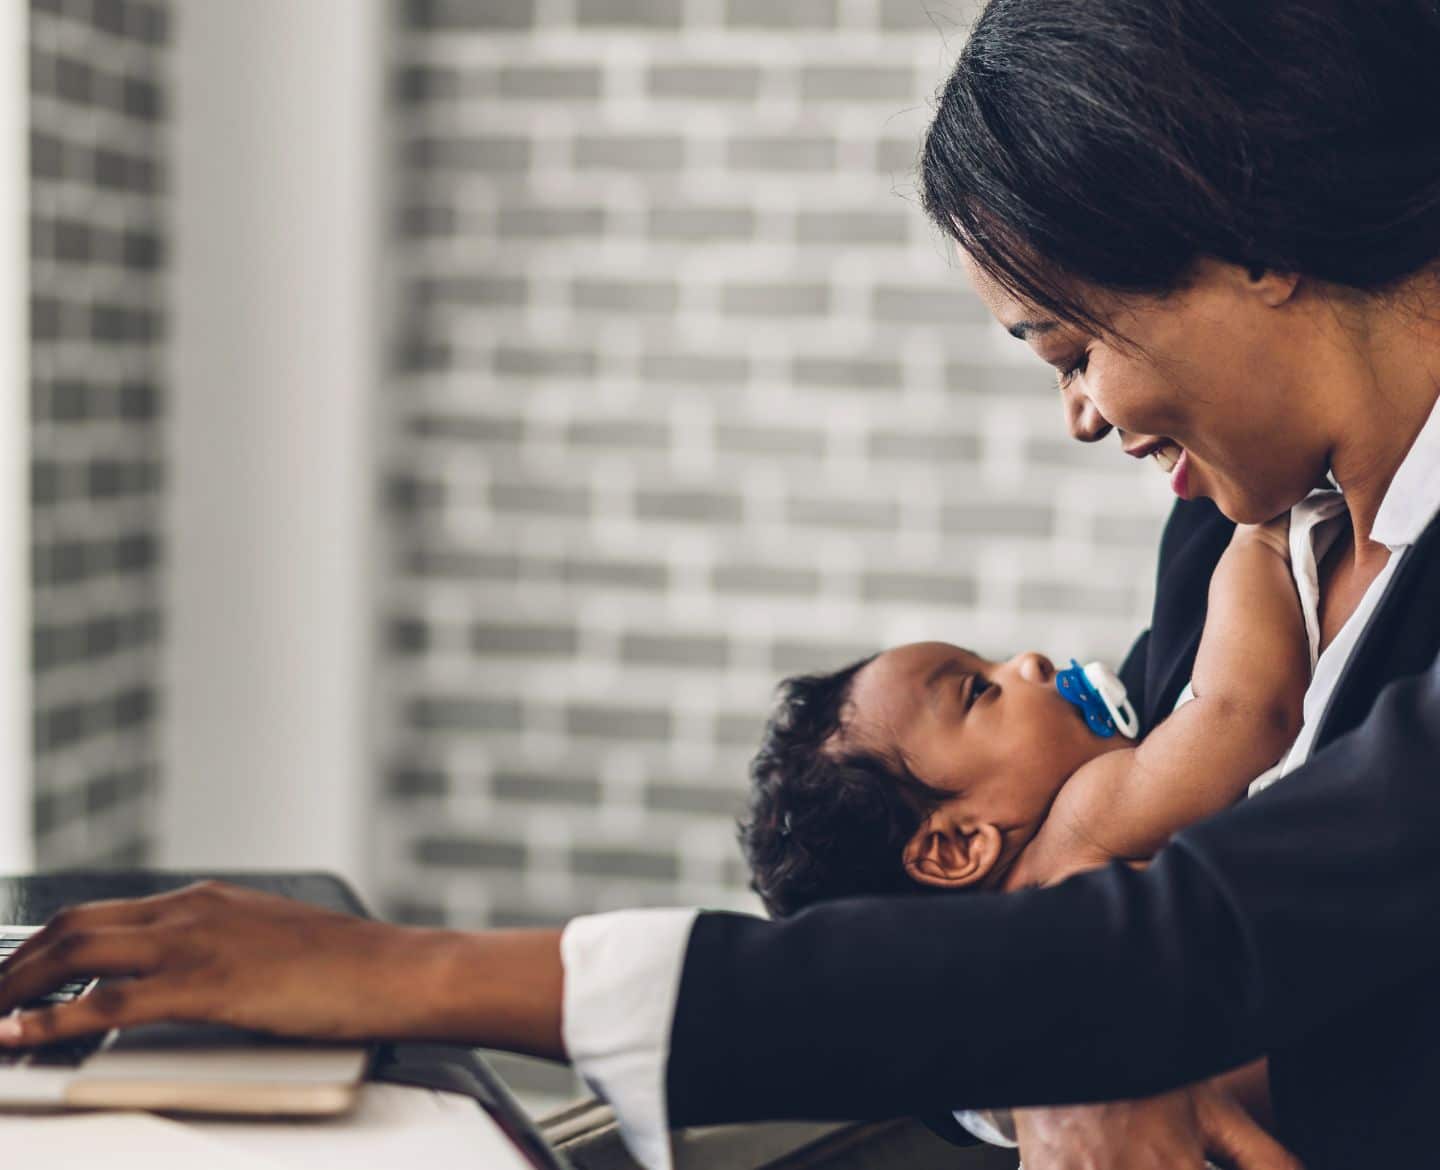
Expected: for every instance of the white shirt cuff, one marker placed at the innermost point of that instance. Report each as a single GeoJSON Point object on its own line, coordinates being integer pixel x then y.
{"type": "Point", "coordinates": [622, 976]}
{"type": "Point", "coordinates": [996, 1126]}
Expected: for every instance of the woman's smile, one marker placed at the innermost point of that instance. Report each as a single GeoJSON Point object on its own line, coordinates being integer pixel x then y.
{"type": "Point", "coordinates": [1169, 456]}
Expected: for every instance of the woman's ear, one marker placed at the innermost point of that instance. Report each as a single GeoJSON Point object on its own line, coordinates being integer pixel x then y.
{"type": "Point", "coordinates": [950, 855]}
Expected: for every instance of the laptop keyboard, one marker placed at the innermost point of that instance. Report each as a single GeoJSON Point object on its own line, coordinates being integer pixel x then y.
{"type": "Point", "coordinates": [66, 1053]}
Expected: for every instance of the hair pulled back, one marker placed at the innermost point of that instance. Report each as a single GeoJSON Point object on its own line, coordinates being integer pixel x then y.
{"type": "Point", "coordinates": [1117, 141]}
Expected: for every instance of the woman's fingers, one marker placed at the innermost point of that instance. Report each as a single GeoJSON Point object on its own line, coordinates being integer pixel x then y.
{"type": "Point", "coordinates": [1152, 1132]}
{"type": "Point", "coordinates": [89, 917]}
{"type": "Point", "coordinates": [118, 1004]}
{"type": "Point", "coordinates": [94, 915]}
{"type": "Point", "coordinates": [75, 953]}
{"type": "Point", "coordinates": [1234, 1136]}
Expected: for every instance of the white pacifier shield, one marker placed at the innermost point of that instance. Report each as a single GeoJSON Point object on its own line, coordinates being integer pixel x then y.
{"type": "Point", "coordinates": [1111, 690]}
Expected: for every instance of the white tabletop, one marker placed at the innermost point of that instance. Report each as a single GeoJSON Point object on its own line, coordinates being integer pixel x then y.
{"type": "Point", "coordinates": [391, 1126]}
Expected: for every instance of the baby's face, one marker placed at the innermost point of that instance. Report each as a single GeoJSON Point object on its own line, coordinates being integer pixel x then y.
{"type": "Point", "coordinates": [997, 734]}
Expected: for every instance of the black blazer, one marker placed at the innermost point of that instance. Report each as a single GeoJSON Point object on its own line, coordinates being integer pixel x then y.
{"type": "Point", "coordinates": [1303, 923]}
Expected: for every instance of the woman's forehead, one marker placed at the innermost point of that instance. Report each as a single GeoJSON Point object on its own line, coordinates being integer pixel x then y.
{"type": "Point", "coordinates": [1019, 317]}
{"type": "Point", "coordinates": [1022, 317]}
{"type": "Point", "coordinates": [997, 299]}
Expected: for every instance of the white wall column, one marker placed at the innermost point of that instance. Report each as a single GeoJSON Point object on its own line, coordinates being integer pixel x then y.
{"type": "Point", "coordinates": [16, 844]}
{"type": "Point", "coordinates": [277, 350]}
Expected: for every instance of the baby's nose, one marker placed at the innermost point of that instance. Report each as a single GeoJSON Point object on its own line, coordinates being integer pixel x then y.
{"type": "Point", "coordinates": [1035, 668]}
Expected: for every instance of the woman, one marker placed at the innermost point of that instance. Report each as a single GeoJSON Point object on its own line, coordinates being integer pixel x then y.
{"type": "Point", "coordinates": [1220, 221]}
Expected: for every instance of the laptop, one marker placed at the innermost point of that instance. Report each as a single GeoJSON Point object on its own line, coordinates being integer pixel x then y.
{"type": "Point", "coordinates": [217, 1070]}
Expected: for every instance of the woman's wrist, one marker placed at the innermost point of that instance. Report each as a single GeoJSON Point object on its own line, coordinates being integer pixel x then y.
{"type": "Point", "coordinates": [493, 989]}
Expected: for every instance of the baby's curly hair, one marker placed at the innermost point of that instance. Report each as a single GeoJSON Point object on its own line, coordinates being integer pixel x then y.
{"type": "Point", "coordinates": [827, 823]}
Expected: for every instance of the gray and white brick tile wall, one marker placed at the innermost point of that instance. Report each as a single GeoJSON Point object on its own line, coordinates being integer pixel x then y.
{"type": "Point", "coordinates": [98, 101]}
{"type": "Point", "coordinates": [686, 396]}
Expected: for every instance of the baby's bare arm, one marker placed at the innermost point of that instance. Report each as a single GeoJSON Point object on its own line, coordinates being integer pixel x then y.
{"type": "Point", "coordinates": [1250, 676]}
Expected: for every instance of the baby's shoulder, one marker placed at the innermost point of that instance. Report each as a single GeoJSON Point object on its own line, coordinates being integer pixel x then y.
{"type": "Point", "coordinates": [1273, 535]}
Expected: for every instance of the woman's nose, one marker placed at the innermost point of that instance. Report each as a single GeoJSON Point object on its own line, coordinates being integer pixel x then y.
{"type": "Point", "coordinates": [1086, 422]}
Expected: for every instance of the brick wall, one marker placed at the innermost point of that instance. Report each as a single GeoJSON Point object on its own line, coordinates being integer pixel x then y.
{"type": "Point", "coordinates": [686, 396]}
{"type": "Point", "coordinates": [98, 200]}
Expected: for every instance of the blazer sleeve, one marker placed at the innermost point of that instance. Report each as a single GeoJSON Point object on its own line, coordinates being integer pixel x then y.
{"type": "Point", "coordinates": [1132, 670]}
{"type": "Point", "coordinates": [1248, 930]}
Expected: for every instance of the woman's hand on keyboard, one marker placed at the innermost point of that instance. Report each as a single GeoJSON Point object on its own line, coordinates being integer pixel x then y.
{"type": "Point", "coordinates": [225, 954]}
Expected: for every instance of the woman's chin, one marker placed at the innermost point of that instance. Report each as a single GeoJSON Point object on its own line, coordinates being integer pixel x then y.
{"type": "Point", "coordinates": [1244, 508]}
{"type": "Point", "coordinates": [1241, 512]}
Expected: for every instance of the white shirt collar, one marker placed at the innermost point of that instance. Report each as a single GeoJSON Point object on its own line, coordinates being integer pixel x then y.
{"type": "Point", "coordinates": [1413, 497]}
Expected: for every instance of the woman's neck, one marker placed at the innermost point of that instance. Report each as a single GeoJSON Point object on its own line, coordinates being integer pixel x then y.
{"type": "Point", "coordinates": [1389, 384]}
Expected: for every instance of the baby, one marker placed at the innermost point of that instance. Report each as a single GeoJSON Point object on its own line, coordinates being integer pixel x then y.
{"type": "Point", "coordinates": [928, 767]}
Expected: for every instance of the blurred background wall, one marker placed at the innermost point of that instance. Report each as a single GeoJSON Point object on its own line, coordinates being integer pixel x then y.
{"type": "Point", "coordinates": [452, 417]}
{"type": "Point", "coordinates": [687, 396]}
{"type": "Point", "coordinates": [99, 150]}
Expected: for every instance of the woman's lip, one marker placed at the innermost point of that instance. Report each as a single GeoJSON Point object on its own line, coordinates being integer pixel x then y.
{"type": "Point", "coordinates": [1180, 477]}
{"type": "Point", "coordinates": [1143, 450]}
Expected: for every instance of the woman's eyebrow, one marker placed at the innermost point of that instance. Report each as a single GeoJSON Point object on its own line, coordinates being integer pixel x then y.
{"type": "Point", "coordinates": [1023, 330]}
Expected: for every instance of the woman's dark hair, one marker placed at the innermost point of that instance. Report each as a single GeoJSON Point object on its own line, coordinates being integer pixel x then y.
{"type": "Point", "coordinates": [827, 822]}
{"type": "Point", "coordinates": [1117, 141]}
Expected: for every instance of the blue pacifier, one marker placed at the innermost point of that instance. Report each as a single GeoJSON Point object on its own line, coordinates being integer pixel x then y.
{"type": "Point", "coordinates": [1100, 695]}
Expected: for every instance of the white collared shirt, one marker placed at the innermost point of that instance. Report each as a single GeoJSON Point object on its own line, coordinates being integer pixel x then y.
{"type": "Point", "coordinates": [1411, 502]}
{"type": "Point", "coordinates": [622, 970]}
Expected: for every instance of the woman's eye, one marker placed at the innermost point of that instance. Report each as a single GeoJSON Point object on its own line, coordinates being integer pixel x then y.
{"type": "Point", "coordinates": [1069, 373]}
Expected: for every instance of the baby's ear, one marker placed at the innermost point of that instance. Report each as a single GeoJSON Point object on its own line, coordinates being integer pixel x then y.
{"type": "Point", "coordinates": [950, 854]}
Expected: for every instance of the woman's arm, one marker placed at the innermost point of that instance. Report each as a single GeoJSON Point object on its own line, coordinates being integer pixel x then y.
{"type": "Point", "coordinates": [222, 953]}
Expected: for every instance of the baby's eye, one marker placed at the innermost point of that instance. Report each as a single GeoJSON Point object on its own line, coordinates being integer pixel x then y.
{"type": "Point", "coordinates": [977, 688]}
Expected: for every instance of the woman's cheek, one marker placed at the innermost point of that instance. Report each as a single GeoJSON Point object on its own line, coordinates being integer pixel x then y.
{"type": "Point", "coordinates": [1135, 399]}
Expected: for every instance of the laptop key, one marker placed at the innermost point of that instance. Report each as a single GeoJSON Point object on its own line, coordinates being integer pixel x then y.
{"type": "Point", "coordinates": [65, 994]}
